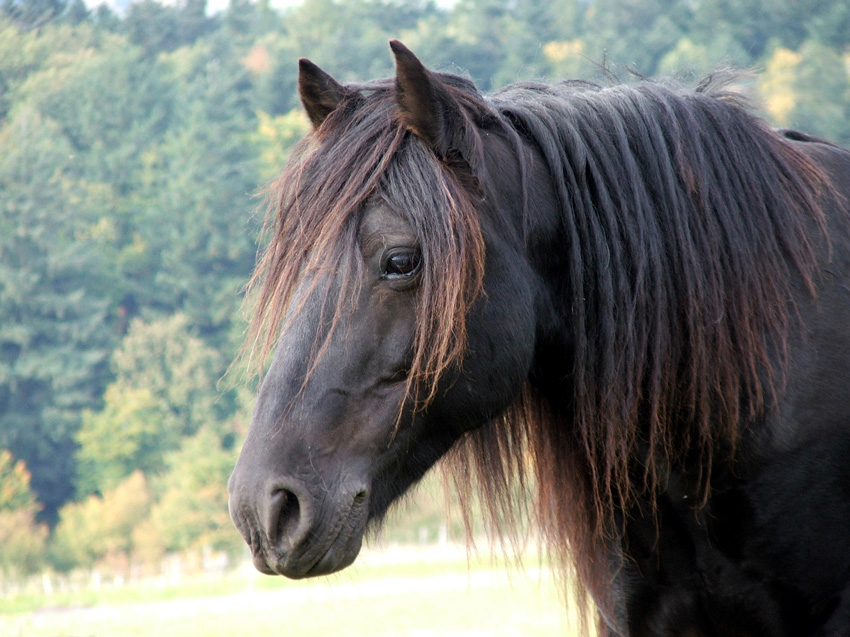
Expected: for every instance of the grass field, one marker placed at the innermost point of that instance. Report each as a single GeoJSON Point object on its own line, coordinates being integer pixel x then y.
{"type": "Point", "coordinates": [415, 592]}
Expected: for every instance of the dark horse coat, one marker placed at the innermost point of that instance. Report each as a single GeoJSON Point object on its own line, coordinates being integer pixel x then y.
{"type": "Point", "coordinates": [633, 300]}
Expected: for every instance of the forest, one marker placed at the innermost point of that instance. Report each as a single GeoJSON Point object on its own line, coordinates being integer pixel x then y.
{"type": "Point", "coordinates": [134, 147]}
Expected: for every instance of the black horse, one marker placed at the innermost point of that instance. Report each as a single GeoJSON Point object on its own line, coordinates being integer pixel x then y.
{"type": "Point", "coordinates": [633, 301]}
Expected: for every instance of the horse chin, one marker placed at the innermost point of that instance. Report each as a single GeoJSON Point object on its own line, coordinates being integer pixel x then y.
{"type": "Point", "coordinates": [334, 559]}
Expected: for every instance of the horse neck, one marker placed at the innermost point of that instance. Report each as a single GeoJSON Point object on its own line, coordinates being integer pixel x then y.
{"type": "Point", "coordinates": [546, 251]}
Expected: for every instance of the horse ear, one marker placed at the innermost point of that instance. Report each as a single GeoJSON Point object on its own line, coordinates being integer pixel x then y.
{"type": "Point", "coordinates": [320, 93]}
{"type": "Point", "coordinates": [425, 107]}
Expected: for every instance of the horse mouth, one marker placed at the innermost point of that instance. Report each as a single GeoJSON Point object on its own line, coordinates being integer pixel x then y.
{"type": "Point", "coordinates": [328, 548]}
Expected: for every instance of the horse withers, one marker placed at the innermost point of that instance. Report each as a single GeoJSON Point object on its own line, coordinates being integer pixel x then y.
{"type": "Point", "coordinates": [634, 298]}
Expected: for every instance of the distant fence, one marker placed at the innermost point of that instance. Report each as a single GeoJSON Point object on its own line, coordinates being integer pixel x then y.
{"type": "Point", "coordinates": [119, 571]}
{"type": "Point", "coordinates": [175, 569]}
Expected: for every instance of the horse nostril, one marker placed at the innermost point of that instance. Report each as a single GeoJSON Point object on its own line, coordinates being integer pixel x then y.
{"type": "Point", "coordinates": [360, 498]}
{"type": "Point", "coordinates": [287, 507]}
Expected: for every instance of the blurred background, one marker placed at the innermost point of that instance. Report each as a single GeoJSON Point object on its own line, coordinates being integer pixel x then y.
{"type": "Point", "coordinates": [134, 138]}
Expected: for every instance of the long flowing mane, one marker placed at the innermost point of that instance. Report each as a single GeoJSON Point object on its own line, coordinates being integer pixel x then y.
{"type": "Point", "coordinates": [687, 226]}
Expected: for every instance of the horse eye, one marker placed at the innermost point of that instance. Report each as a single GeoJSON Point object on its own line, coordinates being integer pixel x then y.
{"type": "Point", "coordinates": [401, 264]}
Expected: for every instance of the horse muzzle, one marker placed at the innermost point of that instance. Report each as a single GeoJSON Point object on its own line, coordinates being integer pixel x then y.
{"type": "Point", "coordinates": [298, 529]}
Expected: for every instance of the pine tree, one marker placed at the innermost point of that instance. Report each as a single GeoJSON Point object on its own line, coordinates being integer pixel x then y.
{"type": "Point", "coordinates": [55, 332]}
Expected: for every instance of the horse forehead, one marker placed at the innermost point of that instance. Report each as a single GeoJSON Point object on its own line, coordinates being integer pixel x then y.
{"type": "Point", "coordinates": [381, 226]}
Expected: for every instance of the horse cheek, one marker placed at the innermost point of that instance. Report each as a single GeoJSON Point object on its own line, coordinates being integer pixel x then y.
{"type": "Point", "coordinates": [500, 349]}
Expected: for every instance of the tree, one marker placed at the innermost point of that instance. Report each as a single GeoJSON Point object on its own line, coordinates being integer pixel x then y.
{"type": "Point", "coordinates": [830, 24]}
{"type": "Point", "coordinates": [528, 29]}
{"type": "Point", "coordinates": [77, 12]}
{"type": "Point", "coordinates": [271, 62]}
{"type": "Point", "coordinates": [15, 490]}
{"type": "Point", "coordinates": [777, 85]}
{"type": "Point", "coordinates": [697, 57]}
{"type": "Point", "coordinates": [328, 31]}
{"type": "Point", "coordinates": [566, 58]}
{"type": "Point", "coordinates": [245, 20]}
{"type": "Point", "coordinates": [55, 332]}
{"type": "Point", "coordinates": [22, 539]}
{"type": "Point", "coordinates": [191, 512]}
{"type": "Point", "coordinates": [195, 219]}
{"type": "Point", "coordinates": [822, 86]}
{"type": "Point", "coordinates": [158, 28]}
{"type": "Point", "coordinates": [164, 390]}
{"type": "Point", "coordinates": [276, 136]}
{"type": "Point", "coordinates": [635, 33]}
{"type": "Point", "coordinates": [100, 526]}
{"type": "Point", "coordinates": [480, 47]}
{"type": "Point", "coordinates": [112, 107]}
{"type": "Point", "coordinates": [23, 53]}
{"type": "Point", "coordinates": [30, 14]}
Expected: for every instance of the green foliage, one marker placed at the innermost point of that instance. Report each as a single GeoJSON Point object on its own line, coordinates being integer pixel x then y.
{"type": "Point", "coordinates": [30, 14]}
{"type": "Point", "coordinates": [100, 526]}
{"type": "Point", "coordinates": [636, 34]}
{"type": "Point", "coordinates": [696, 59]}
{"type": "Point", "coordinates": [54, 329]}
{"type": "Point", "coordinates": [196, 216]}
{"type": "Point", "coordinates": [15, 490]}
{"type": "Point", "coordinates": [329, 31]}
{"type": "Point", "coordinates": [22, 543]}
{"type": "Point", "coordinates": [275, 137]}
{"type": "Point", "coordinates": [164, 390]}
{"type": "Point", "coordinates": [109, 106]}
{"type": "Point", "coordinates": [24, 52]}
{"type": "Point", "coordinates": [191, 512]}
{"type": "Point", "coordinates": [157, 27]}
{"type": "Point", "coordinates": [822, 86]}
{"type": "Point", "coordinates": [125, 435]}
{"type": "Point", "coordinates": [22, 539]}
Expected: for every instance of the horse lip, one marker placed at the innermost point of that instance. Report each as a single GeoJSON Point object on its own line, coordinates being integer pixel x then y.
{"type": "Point", "coordinates": [328, 562]}
{"type": "Point", "coordinates": [340, 549]}
{"type": "Point", "coordinates": [331, 562]}
{"type": "Point", "coordinates": [262, 565]}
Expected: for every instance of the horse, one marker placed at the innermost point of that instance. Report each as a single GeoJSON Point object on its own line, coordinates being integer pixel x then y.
{"type": "Point", "coordinates": [629, 301]}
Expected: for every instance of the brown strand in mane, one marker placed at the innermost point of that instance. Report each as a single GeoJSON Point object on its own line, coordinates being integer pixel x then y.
{"type": "Point", "coordinates": [522, 470]}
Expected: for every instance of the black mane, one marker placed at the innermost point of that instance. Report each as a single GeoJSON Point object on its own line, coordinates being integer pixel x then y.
{"type": "Point", "coordinates": [686, 223]}
{"type": "Point", "coordinates": [682, 212]}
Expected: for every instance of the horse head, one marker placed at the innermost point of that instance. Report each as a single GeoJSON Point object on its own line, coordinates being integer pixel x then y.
{"type": "Point", "coordinates": [408, 311]}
